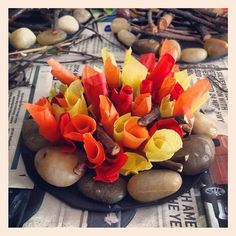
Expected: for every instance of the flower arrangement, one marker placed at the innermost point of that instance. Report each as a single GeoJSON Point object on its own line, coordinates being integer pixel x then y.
{"type": "Point", "coordinates": [125, 119]}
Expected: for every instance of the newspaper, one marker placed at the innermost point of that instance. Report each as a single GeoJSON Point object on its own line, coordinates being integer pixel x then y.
{"type": "Point", "coordinates": [185, 211]}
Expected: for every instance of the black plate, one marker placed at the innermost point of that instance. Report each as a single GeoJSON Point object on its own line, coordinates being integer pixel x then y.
{"type": "Point", "coordinates": [73, 198]}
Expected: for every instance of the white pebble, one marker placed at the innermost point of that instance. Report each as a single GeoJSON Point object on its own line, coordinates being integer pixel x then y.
{"type": "Point", "coordinates": [118, 24]}
{"type": "Point", "coordinates": [68, 24]}
{"type": "Point", "coordinates": [126, 37]}
{"type": "Point", "coordinates": [81, 15]}
{"type": "Point", "coordinates": [22, 38]}
{"type": "Point", "coordinates": [193, 55]}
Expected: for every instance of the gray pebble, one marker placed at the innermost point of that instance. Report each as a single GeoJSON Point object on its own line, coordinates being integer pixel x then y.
{"type": "Point", "coordinates": [102, 192]}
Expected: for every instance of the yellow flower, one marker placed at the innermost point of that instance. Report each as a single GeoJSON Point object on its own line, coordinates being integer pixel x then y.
{"type": "Point", "coordinates": [135, 163]}
{"type": "Point", "coordinates": [133, 72]}
{"type": "Point", "coordinates": [162, 145]}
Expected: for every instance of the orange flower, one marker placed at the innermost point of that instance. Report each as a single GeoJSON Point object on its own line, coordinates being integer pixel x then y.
{"type": "Point", "coordinates": [60, 72]}
{"type": "Point", "coordinates": [94, 150]}
{"type": "Point", "coordinates": [191, 99]}
{"type": "Point", "coordinates": [41, 112]}
{"type": "Point", "coordinates": [111, 70]}
{"type": "Point", "coordinates": [133, 134]}
{"type": "Point", "coordinates": [78, 126]}
{"type": "Point", "coordinates": [142, 104]}
{"type": "Point", "coordinates": [108, 113]}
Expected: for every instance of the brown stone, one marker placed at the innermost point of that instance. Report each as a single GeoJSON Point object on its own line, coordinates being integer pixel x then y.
{"type": "Point", "coordinates": [142, 46]}
{"type": "Point", "coordinates": [152, 185]}
{"type": "Point", "coordinates": [216, 47]}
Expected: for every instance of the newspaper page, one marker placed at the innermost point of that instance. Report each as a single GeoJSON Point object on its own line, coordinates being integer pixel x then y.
{"type": "Point", "coordinates": [187, 210]}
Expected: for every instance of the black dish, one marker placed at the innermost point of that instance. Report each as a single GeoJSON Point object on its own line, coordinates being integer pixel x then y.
{"type": "Point", "coordinates": [73, 198]}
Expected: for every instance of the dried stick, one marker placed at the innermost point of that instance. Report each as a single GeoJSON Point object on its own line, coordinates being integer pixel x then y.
{"type": "Point", "coordinates": [136, 30]}
{"type": "Point", "coordinates": [165, 21]}
{"type": "Point", "coordinates": [111, 146]}
{"type": "Point", "coordinates": [18, 13]}
{"type": "Point", "coordinates": [203, 30]}
{"type": "Point", "coordinates": [172, 165]}
{"type": "Point", "coordinates": [151, 24]}
{"type": "Point", "coordinates": [192, 17]}
{"type": "Point", "coordinates": [150, 117]}
{"type": "Point", "coordinates": [180, 159]}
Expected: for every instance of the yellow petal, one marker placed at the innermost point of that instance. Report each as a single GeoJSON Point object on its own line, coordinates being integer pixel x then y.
{"type": "Point", "coordinates": [135, 163]}
{"type": "Point", "coordinates": [119, 126]}
{"type": "Point", "coordinates": [73, 92]}
{"type": "Point", "coordinates": [80, 107]}
{"type": "Point", "coordinates": [167, 106]}
{"type": "Point", "coordinates": [106, 53]}
{"type": "Point", "coordinates": [162, 145]}
{"type": "Point", "coordinates": [133, 72]}
{"type": "Point", "coordinates": [200, 102]}
{"type": "Point", "coordinates": [183, 79]}
{"type": "Point", "coordinates": [75, 99]}
{"type": "Point", "coordinates": [63, 88]}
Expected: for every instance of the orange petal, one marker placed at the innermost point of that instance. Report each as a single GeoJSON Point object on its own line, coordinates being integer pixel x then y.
{"type": "Point", "coordinates": [142, 104]}
{"type": "Point", "coordinates": [60, 72]}
{"type": "Point", "coordinates": [112, 73]}
{"type": "Point", "coordinates": [190, 97]}
{"type": "Point", "coordinates": [108, 113]}
{"type": "Point", "coordinates": [78, 126]}
{"type": "Point", "coordinates": [166, 88]}
{"type": "Point", "coordinates": [133, 134]}
{"type": "Point", "coordinates": [41, 112]}
{"type": "Point", "coordinates": [94, 150]}
{"type": "Point", "coordinates": [88, 72]}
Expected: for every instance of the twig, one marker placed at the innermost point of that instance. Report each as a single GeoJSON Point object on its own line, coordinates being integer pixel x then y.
{"type": "Point", "coordinates": [171, 165]}
{"type": "Point", "coordinates": [150, 117]}
{"type": "Point", "coordinates": [192, 17]}
{"type": "Point", "coordinates": [44, 48]}
{"type": "Point", "coordinates": [136, 30]}
{"type": "Point", "coordinates": [203, 30]}
{"type": "Point", "coordinates": [18, 13]}
{"type": "Point", "coordinates": [151, 24]}
{"type": "Point", "coordinates": [111, 146]}
{"type": "Point", "coordinates": [180, 159]}
{"type": "Point", "coordinates": [55, 20]}
{"type": "Point", "coordinates": [165, 21]}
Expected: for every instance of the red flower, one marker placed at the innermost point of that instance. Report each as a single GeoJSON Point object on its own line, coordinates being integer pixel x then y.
{"type": "Point", "coordinates": [95, 84]}
{"type": "Point", "coordinates": [123, 99]}
{"type": "Point", "coordinates": [148, 60]}
{"type": "Point", "coordinates": [109, 170]}
{"type": "Point", "coordinates": [170, 123]}
{"type": "Point", "coordinates": [160, 72]}
{"type": "Point", "coordinates": [146, 86]}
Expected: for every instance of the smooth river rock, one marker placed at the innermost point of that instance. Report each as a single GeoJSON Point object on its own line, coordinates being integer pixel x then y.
{"type": "Point", "coordinates": [118, 24]}
{"type": "Point", "coordinates": [81, 15]}
{"type": "Point", "coordinates": [49, 37]}
{"type": "Point", "coordinates": [126, 37]}
{"type": "Point", "coordinates": [68, 24]}
{"type": "Point", "coordinates": [203, 124]}
{"type": "Point", "coordinates": [146, 46]}
{"type": "Point", "coordinates": [102, 192]}
{"type": "Point", "coordinates": [201, 151]}
{"type": "Point", "coordinates": [216, 47]}
{"type": "Point", "coordinates": [32, 139]}
{"type": "Point", "coordinates": [152, 185]}
{"type": "Point", "coordinates": [58, 168]}
{"type": "Point", "coordinates": [193, 55]}
{"type": "Point", "coordinates": [22, 38]}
